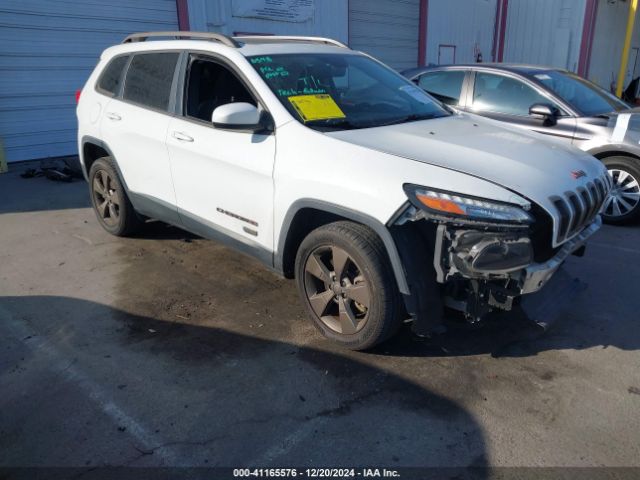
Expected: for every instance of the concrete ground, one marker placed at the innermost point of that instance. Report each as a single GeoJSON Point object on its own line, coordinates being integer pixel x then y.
{"type": "Point", "coordinates": [169, 350]}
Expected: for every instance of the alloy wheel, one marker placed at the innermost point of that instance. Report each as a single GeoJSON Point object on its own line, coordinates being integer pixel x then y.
{"type": "Point", "coordinates": [106, 197]}
{"type": "Point", "coordinates": [624, 195]}
{"type": "Point", "coordinates": [337, 290]}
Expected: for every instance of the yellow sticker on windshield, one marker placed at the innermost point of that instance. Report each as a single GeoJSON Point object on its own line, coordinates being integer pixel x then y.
{"type": "Point", "coordinates": [316, 107]}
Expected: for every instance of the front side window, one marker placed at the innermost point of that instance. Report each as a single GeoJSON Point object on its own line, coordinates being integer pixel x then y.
{"type": "Point", "coordinates": [501, 94]}
{"type": "Point", "coordinates": [445, 86]}
{"type": "Point", "coordinates": [149, 79]}
{"type": "Point", "coordinates": [209, 85]}
{"type": "Point", "coordinates": [343, 91]}
{"type": "Point", "coordinates": [581, 94]}
{"type": "Point", "coordinates": [111, 77]}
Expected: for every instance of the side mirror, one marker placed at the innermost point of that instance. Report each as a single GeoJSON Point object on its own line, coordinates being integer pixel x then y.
{"type": "Point", "coordinates": [239, 116]}
{"type": "Point", "coordinates": [547, 112]}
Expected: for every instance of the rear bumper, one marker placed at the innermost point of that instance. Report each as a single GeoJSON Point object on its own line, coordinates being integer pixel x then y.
{"type": "Point", "coordinates": [537, 275]}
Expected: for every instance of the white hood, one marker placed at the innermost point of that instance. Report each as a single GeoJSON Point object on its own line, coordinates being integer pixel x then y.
{"type": "Point", "coordinates": [524, 162]}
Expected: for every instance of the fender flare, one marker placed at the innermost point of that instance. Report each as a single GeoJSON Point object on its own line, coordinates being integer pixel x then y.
{"type": "Point", "coordinates": [381, 230]}
{"type": "Point", "coordinates": [89, 139]}
{"type": "Point", "coordinates": [95, 141]}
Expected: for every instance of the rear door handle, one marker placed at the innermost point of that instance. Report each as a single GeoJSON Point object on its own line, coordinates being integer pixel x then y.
{"type": "Point", "coordinates": [183, 137]}
{"type": "Point", "coordinates": [113, 116]}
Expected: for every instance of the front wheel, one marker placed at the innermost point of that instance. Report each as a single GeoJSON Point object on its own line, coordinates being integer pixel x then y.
{"type": "Point", "coordinates": [347, 285]}
{"type": "Point", "coordinates": [622, 206]}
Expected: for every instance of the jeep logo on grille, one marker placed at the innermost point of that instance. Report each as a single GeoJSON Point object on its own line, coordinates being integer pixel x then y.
{"type": "Point", "coordinates": [578, 174]}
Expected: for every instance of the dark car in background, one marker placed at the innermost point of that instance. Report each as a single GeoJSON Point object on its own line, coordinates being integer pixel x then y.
{"type": "Point", "coordinates": [556, 103]}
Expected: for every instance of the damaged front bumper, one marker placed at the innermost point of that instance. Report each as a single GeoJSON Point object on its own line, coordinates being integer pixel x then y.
{"type": "Point", "coordinates": [537, 275]}
{"type": "Point", "coordinates": [477, 267]}
{"type": "Point", "coordinates": [483, 270]}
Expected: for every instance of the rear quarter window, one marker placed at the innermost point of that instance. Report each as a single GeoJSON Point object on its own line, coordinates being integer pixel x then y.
{"type": "Point", "coordinates": [149, 78]}
{"type": "Point", "coordinates": [111, 78]}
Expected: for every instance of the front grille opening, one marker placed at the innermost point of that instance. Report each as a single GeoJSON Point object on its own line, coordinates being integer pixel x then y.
{"type": "Point", "coordinates": [577, 209]}
{"type": "Point", "coordinates": [542, 235]}
{"type": "Point", "coordinates": [601, 190]}
{"type": "Point", "coordinates": [586, 199]}
{"type": "Point", "coordinates": [565, 217]}
{"type": "Point", "coordinates": [595, 200]}
{"type": "Point", "coordinates": [576, 221]}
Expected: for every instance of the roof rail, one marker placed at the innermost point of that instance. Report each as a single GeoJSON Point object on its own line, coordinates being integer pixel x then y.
{"type": "Point", "coordinates": [216, 37]}
{"type": "Point", "coordinates": [287, 38]}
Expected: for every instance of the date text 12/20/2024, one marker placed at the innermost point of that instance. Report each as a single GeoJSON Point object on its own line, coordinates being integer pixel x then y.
{"type": "Point", "coordinates": [316, 473]}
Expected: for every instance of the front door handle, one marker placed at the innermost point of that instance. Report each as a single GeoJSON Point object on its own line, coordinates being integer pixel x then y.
{"type": "Point", "coordinates": [183, 137]}
{"type": "Point", "coordinates": [113, 116]}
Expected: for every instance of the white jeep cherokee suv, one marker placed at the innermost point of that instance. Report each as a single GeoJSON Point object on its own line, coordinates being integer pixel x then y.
{"type": "Point", "coordinates": [335, 170]}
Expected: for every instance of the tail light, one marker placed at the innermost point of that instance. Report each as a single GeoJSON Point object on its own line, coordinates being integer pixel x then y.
{"type": "Point", "coordinates": [78, 93]}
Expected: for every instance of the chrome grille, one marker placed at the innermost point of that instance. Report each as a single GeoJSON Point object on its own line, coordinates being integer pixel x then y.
{"type": "Point", "coordinates": [579, 208]}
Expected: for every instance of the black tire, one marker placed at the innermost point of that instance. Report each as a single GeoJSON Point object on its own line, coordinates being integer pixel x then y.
{"type": "Point", "coordinates": [110, 201]}
{"type": "Point", "coordinates": [625, 173]}
{"type": "Point", "coordinates": [373, 317]}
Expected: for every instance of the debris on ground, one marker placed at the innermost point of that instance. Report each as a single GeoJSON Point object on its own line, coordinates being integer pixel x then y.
{"type": "Point", "coordinates": [59, 170]}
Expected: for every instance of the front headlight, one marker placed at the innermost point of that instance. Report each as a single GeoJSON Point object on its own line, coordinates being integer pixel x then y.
{"type": "Point", "coordinates": [464, 207]}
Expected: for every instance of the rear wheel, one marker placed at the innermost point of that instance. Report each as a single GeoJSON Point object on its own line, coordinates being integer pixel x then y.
{"type": "Point", "coordinates": [623, 203]}
{"type": "Point", "coordinates": [109, 199]}
{"type": "Point", "coordinates": [347, 285]}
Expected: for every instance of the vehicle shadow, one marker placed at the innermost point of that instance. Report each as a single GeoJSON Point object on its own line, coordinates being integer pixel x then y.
{"type": "Point", "coordinates": [248, 401]}
{"type": "Point", "coordinates": [156, 230]}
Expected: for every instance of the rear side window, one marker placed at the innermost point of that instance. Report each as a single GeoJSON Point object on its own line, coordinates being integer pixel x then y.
{"type": "Point", "coordinates": [445, 86]}
{"type": "Point", "coordinates": [149, 79]}
{"type": "Point", "coordinates": [111, 77]}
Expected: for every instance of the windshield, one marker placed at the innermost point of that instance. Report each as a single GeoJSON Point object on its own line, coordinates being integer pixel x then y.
{"type": "Point", "coordinates": [583, 95]}
{"type": "Point", "coordinates": [338, 92]}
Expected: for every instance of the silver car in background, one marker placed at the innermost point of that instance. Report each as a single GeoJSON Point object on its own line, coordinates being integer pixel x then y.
{"type": "Point", "coordinates": [556, 103]}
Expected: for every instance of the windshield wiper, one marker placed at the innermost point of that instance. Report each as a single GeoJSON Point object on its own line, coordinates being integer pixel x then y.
{"type": "Point", "coordinates": [409, 118]}
{"type": "Point", "coordinates": [340, 124]}
{"type": "Point", "coordinates": [344, 124]}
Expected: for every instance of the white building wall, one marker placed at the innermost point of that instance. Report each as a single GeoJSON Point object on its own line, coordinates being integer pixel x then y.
{"type": "Point", "coordinates": [544, 32]}
{"type": "Point", "coordinates": [608, 41]}
{"type": "Point", "coordinates": [466, 24]}
{"type": "Point", "coordinates": [330, 19]}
